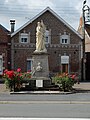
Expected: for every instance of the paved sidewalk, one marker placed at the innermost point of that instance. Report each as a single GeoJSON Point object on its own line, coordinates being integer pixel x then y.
{"type": "Point", "coordinates": [82, 86]}
{"type": "Point", "coordinates": [3, 88]}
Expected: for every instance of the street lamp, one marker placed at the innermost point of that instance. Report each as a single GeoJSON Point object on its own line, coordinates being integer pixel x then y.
{"type": "Point", "coordinates": [84, 10]}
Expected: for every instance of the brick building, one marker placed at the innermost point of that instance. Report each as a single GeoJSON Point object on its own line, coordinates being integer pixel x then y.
{"type": "Point", "coordinates": [63, 44]}
{"type": "Point", "coordinates": [87, 46]}
{"type": "Point", "coordinates": [5, 53]}
{"type": "Point", "coordinates": [87, 50]}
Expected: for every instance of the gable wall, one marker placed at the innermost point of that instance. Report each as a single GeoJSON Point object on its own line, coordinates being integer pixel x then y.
{"type": "Point", "coordinates": [55, 50]}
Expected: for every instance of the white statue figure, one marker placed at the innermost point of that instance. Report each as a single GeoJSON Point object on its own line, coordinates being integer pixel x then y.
{"type": "Point", "coordinates": [43, 30]}
{"type": "Point", "coordinates": [40, 37]}
{"type": "Point", "coordinates": [39, 67]}
{"type": "Point", "coordinates": [33, 71]}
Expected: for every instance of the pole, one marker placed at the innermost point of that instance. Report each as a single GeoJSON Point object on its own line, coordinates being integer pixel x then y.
{"type": "Point", "coordinates": [83, 44]}
{"type": "Point", "coordinates": [84, 9]}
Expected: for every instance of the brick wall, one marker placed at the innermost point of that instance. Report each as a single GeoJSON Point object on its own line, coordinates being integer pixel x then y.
{"type": "Point", "coordinates": [5, 47]}
{"type": "Point", "coordinates": [21, 52]}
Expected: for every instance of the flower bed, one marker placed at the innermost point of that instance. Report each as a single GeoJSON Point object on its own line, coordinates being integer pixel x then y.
{"type": "Point", "coordinates": [64, 81]}
{"type": "Point", "coordinates": [13, 79]}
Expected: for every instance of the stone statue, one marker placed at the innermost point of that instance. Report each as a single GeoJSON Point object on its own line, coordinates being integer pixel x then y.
{"type": "Point", "coordinates": [39, 67]}
{"type": "Point", "coordinates": [40, 37]}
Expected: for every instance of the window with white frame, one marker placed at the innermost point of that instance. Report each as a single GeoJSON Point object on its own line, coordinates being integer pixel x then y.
{"type": "Point", "coordinates": [64, 39]}
{"type": "Point", "coordinates": [24, 38]}
{"type": "Point", "coordinates": [29, 64]}
{"type": "Point", "coordinates": [47, 37]}
{"type": "Point", "coordinates": [1, 65]}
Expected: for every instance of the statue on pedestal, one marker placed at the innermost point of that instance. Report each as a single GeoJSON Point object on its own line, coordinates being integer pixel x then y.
{"type": "Point", "coordinates": [40, 37]}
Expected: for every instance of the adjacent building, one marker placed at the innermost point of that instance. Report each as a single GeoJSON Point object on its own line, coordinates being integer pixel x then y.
{"type": "Point", "coordinates": [87, 46]}
{"type": "Point", "coordinates": [5, 49]}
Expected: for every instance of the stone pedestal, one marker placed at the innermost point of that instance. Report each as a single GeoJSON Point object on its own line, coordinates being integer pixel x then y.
{"type": "Point", "coordinates": [40, 69]}
{"type": "Point", "coordinates": [39, 83]}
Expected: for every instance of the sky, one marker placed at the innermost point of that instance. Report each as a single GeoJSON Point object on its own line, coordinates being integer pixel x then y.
{"type": "Point", "coordinates": [23, 10]}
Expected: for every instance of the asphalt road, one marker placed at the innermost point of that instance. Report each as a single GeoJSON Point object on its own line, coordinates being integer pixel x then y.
{"type": "Point", "coordinates": [45, 106]}
{"type": "Point", "coordinates": [75, 105]}
{"type": "Point", "coordinates": [50, 97]}
{"type": "Point", "coordinates": [45, 110]}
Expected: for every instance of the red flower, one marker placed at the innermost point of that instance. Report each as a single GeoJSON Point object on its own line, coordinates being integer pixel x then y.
{"type": "Point", "coordinates": [73, 77]}
{"type": "Point", "coordinates": [10, 74]}
{"type": "Point", "coordinates": [28, 71]}
{"type": "Point", "coordinates": [19, 70]}
{"type": "Point", "coordinates": [5, 71]}
{"type": "Point", "coordinates": [20, 75]}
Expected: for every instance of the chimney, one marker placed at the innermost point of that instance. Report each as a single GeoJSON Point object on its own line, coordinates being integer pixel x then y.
{"type": "Point", "coordinates": [12, 22]}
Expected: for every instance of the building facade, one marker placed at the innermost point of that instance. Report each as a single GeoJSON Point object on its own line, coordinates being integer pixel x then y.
{"type": "Point", "coordinates": [87, 47]}
{"type": "Point", "coordinates": [5, 49]}
{"type": "Point", "coordinates": [63, 44]}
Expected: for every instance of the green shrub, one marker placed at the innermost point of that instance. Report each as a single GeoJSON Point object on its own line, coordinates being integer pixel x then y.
{"type": "Point", "coordinates": [64, 81]}
{"type": "Point", "coordinates": [13, 79]}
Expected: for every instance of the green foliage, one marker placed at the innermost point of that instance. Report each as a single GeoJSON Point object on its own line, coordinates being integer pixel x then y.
{"type": "Point", "coordinates": [64, 81]}
{"type": "Point", "coordinates": [13, 79]}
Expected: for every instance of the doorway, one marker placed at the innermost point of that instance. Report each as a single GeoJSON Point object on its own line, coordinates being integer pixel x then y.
{"type": "Point", "coordinates": [64, 68]}
{"type": "Point", "coordinates": [64, 64]}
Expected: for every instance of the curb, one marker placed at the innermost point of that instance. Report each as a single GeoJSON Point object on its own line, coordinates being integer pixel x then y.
{"type": "Point", "coordinates": [42, 92]}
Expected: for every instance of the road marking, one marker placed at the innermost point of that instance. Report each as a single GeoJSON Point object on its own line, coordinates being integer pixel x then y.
{"type": "Point", "coordinates": [41, 118]}
{"type": "Point", "coordinates": [44, 102]}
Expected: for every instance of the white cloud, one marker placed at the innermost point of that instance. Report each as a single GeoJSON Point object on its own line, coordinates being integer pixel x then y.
{"type": "Point", "coordinates": [39, 3]}
{"type": "Point", "coordinates": [20, 9]}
